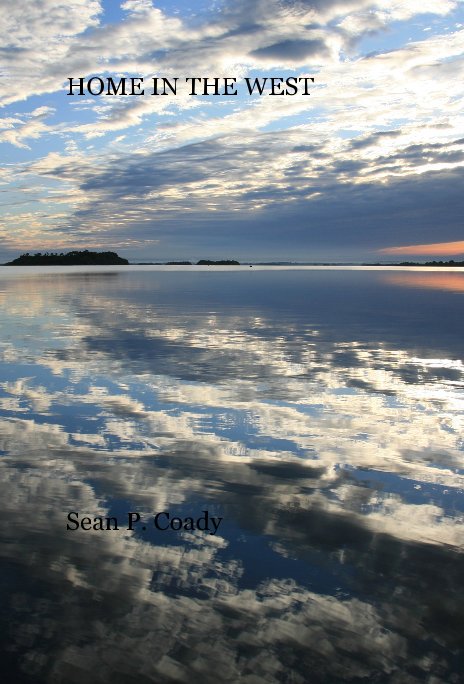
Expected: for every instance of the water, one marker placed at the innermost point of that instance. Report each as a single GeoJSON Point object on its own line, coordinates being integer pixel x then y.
{"type": "Point", "coordinates": [317, 412]}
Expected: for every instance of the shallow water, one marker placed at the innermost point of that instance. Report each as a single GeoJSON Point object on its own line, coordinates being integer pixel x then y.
{"type": "Point", "coordinates": [317, 412]}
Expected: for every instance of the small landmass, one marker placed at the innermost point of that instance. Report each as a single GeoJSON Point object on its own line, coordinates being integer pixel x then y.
{"type": "Point", "coordinates": [83, 258]}
{"type": "Point", "coordinates": [178, 263]}
{"type": "Point", "coordinates": [222, 262]}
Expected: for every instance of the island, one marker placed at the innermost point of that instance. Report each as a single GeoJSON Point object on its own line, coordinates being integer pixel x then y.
{"type": "Point", "coordinates": [222, 262]}
{"type": "Point", "coordinates": [83, 258]}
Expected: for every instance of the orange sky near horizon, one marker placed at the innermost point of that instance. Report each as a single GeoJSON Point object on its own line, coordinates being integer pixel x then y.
{"type": "Point", "coordinates": [434, 249]}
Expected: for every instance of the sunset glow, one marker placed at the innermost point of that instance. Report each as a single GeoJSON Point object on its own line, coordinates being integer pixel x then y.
{"type": "Point", "coordinates": [435, 249]}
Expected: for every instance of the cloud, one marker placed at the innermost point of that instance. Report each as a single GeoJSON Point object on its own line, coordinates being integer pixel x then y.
{"type": "Point", "coordinates": [331, 481]}
{"type": "Point", "coordinates": [30, 127]}
{"type": "Point", "coordinates": [36, 41]}
{"type": "Point", "coordinates": [275, 179]}
{"type": "Point", "coordinates": [248, 169]}
{"type": "Point", "coordinates": [291, 51]}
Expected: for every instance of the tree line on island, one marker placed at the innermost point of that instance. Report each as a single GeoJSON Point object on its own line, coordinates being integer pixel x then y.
{"type": "Point", "coordinates": [75, 258]}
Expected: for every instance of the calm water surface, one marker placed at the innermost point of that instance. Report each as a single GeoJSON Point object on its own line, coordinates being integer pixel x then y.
{"type": "Point", "coordinates": [319, 413]}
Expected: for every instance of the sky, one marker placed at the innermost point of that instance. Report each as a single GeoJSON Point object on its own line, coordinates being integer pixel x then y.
{"type": "Point", "coordinates": [369, 166]}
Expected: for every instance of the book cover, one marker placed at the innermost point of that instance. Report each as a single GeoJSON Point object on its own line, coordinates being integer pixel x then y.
{"type": "Point", "coordinates": [231, 359]}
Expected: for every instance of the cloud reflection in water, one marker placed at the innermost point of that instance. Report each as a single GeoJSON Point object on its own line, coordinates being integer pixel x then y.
{"type": "Point", "coordinates": [317, 419]}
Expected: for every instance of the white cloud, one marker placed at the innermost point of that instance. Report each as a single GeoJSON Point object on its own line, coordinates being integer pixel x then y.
{"type": "Point", "coordinates": [31, 127]}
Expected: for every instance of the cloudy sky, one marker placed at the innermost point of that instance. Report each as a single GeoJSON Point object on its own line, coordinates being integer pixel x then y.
{"type": "Point", "coordinates": [369, 166]}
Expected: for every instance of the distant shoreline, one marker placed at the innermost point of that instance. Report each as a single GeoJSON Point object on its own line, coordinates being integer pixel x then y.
{"type": "Point", "coordinates": [289, 264]}
{"type": "Point", "coordinates": [88, 258]}
{"type": "Point", "coordinates": [458, 264]}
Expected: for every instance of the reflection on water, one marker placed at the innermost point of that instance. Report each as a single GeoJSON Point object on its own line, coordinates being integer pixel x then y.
{"type": "Point", "coordinates": [319, 413]}
{"type": "Point", "coordinates": [454, 282]}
